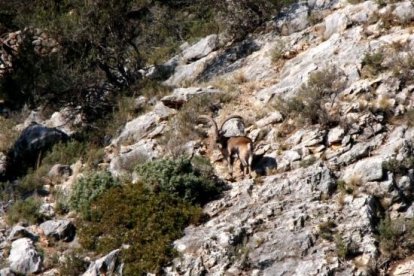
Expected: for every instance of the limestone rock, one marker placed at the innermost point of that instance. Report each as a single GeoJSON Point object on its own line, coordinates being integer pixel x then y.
{"type": "Point", "coordinates": [18, 232]}
{"type": "Point", "coordinates": [189, 72]}
{"type": "Point", "coordinates": [59, 170]}
{"type": "Point", "coordinates": [6, 272]}
{"type": "Point", "coordinates": [143, 125]}
{"type": "Point", "coordinates": [274, 117]}
{"type": "Point", "coordinates": [404, 11]}
{"type": "Point", "coordinates": [47, 210]}
{"type": "Point", "coordinates": [107, 264]}
{"type": "Point", "coordinates": [335, 135]}
{"type": "Point", "coordinates": [132, 155]}
{"type": "Point", "coordinates": [24, 258]}
{"type": "Point", "coordinates": [182, 95]}
{"type": "Point", "coordinates": [201, 49]}
{"type": "Point", "coordinates": [293, 20]}
{"type": "Point", "coordinates": [368, 169]}
{"type": "Point", "coordinates": [233, 127]}
{"type": "Point", "coordinates": [335, 23]}
{"type": "Point", "coordinates": [59, 229]}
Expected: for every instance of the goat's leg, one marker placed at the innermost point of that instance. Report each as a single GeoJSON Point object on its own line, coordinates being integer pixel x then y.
{"type": "Point", "coordinates": [230, 162]}
{"type": "Point", "coordinates": [245, 166]}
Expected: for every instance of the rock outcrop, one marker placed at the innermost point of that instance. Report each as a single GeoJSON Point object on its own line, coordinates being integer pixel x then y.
{"type": "Point", "coordinates": [24, 258]}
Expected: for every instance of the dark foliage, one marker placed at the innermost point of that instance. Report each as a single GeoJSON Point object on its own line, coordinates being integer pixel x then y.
{"type": "Point", "coordinates": [148, 223]}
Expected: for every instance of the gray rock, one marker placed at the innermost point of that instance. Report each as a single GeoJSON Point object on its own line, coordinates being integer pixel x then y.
{"type": "Point", "coordinates": [133, 155]}
{"type": "Point", "coordinates": [6, 272]}
{"type": "Point", "coordinates": [182, 95]}
{"type": "Point", "coordinates": [291, 155]}
{"type": "Point", "coordinates": [405, 185]}
{"type": "Point", "coordinates": [18, 232]}
{"type": "Point", "coordinates": [297, 69]}
{"type": "Point", "coordinates": [24, 258]}
{"type": "Point", "coordinates": [293, 20]}
{"type": "Point", "coordinates": [143, 125]}
{"type": "Point", "coordinates": [274, 117]}
{"type": "Point", "coordinates": [322, 179]}
{"type": "Point", "coordinates": [107, 264]}
{"type": "Point", "coordinates": [359, 151]}
{"type": "Point", "coordinates": [59, 170]}
{"type": "Point", "coordinates": [233, 127]}
{"type": "Point", "coordinates": [335, 23]}
{"type": "Point", "coordinates": [201, 49]}
{"type": "Point", "coordinates": [189, 72]}
{"type": "Point", "coordinates": [335, 135]}
{"type": "Point", "coordinates": [368, 169]}
{"type": "Point", "coordinates": [47, 210]}
{"type": "Point", "coordinates": [404, 11]}
{"type": "Point", "coordinates": [362, 13]}
{"type": "Point", "coordinates": [59, 229]}
{"type": "Point", "coordinates": [161, 71]}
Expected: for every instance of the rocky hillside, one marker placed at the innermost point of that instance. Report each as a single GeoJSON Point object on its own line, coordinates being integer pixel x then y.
{"type": "Point", "coordinates": [325, 92]}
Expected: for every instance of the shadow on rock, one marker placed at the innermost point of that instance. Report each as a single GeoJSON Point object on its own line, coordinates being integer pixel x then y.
{"type": "Point", "coordinates": [262, 164]}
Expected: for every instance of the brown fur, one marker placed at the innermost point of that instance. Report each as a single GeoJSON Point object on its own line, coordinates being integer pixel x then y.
{"type": "Point", "coordinates": [240, 147]}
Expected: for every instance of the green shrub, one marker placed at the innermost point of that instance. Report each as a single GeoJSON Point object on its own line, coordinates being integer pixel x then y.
{"type": "Point", "coordinates": [26, 211]}
{"type": "Point", "coordinates": [62, 153]}
{"type": "Point", "coordinates": [372, 64]}
{"type": "Point", "coordinates": [327, 230]}
{"type": "Point", "coordinates": [180, 179]}
{"type": "Point", "coordinates": [182, 128]}
{"type": "Point", "coordinates": [87, 189]}
{"type": "Point", "coordinates": [73, 265]}
{"type": "Point", "coordinates": [8, 134]}
{"type": "Point", "coordinates": [396, 237]}
{"type": "Point", "coordinates": [147, 222]}
{"type": "Point", "coordinates": [278, 50]}
{"type": "Point", "coordinates": [310, 103]}
{"type": "Point", "coordinates": [66, 153]}
{"type": "Point", "coordinates": [398, 167]}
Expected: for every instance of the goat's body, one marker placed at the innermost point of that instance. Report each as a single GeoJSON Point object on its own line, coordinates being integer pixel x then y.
{"type": "Point", "coordinates": [232, 147]}
{"type": "Point", "coordinates": [240, 147]}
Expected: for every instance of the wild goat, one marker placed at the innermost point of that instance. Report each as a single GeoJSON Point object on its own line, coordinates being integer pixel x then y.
{"type": "Point", "coordinates": [230, 147]}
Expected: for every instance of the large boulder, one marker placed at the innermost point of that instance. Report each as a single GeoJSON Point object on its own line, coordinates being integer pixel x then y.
{"type": "Point", "coordinates": [24, 258]}
{"type": "Point", "coordinates": [59, 229]}
{"type": "Point", "coordinates": [32, 143]}
{"type": "Point", "coordinates": [21, 232]}
{"type": "Point", "coordinates": [182, 95]}
{"type": "Point", "coordinates": [201, 49]}
{"type": "Point", "coordinates": [293, 20]}
{"type": "Point", "coordinates": [108, 265]}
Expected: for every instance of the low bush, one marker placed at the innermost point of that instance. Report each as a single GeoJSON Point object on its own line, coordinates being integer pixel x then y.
{"type": "Point", "coordinates": [314, 99]}
{"type": "Point", "coordinates": [327, 230]}
{"type": "Point", "coordinates": [8, 134]}
{"type": "Point", "coordinates": [87, 189]}
{"type": "Point", "coordinates": [372, 63]}
{"type": "Point", "coordinates": [181, 179]}
{"type": "Point", "coordinates": [25, 211]}
{"type": "Point", "coordinates": [396, 237]}
{"type": "Point", "coordinates": [145, 223]}
{"type": "Point", "coordinates": [398, 167]}
{"type": "Point", "coordinates": [72, 265]}
{"type": "Point", "coordinates": [182, 127]}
